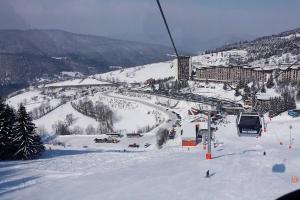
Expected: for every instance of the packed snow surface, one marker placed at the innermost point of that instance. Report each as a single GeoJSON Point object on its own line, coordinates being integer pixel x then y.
{"type": "Point", "coordinates": [238, 168]}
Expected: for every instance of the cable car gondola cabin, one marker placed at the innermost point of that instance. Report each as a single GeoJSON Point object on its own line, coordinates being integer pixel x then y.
{"type": "Point", "coordinates": [249, 124]}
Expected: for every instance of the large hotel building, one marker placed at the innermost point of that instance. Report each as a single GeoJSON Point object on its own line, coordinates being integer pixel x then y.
{"type": "Point", "coordinates": [235, 73]}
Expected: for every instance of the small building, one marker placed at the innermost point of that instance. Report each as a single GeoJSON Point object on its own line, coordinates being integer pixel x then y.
{"type": "Point", "coordinates": [134, 135]}
{"type": "Point", "coordinates": [192, 132]}
{"type": "Point", "coordinates": [114, 134]}
{"type": "Point", "coordinates": [189, 136]}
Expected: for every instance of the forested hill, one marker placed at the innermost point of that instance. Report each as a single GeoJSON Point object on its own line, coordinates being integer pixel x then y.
{"type": "Point", "coordinates": [268, 46]}
{"type": "Point", "coordinates": [29, 54]}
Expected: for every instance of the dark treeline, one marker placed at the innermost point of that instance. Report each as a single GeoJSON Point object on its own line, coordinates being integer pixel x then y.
{"type": "Point", "coordinates": [43, 110]}
{"type": "Point", "coordinates": [171, 85]}
{"type": "Point", "coordinates": [7, 89]}
{"type": "Point", "coordinates": [282, 104]}
{"type": "Point", "coordinates": [18, 137]}
{"type": "Point", "coordinates": [102, 113]}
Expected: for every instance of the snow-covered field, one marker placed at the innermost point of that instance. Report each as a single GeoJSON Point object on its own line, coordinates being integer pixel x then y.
{"type": "Point", "coordinates": [240, 171]}
{"type": "Point", "coordinates": [130, 116]}
{"type": "Point", "coordinates": [60, 114]}
{"type": "Point", "coordinates": [32, 99]}
{"type": "Point", "coordinates": [214, 90]}
{"type": "Point", "coordinates": [217, 59]}
{"type": "Point", "coordinates": [140, 73]}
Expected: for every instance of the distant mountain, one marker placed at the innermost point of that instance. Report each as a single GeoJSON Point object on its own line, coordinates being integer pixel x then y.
{"type": "Point", "coordinates": [29, 54]}
{"type": "Point", "coordinates": [268, 46]}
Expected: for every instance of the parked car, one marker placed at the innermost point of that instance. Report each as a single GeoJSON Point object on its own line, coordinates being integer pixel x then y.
{"type": "Point", "coordinates": [106, 140]}
{"type": "Point", "coordinates": [147, 145]}
{"type": "Point", "coordinates": [134, 145]}
{"type": "Point", "coordinates": [172, 134]}
{"type": "Point", "coordinates": [293, 113]}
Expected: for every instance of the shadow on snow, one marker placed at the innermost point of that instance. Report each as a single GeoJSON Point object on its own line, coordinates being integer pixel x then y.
{"type": "Point", "coordinates": [9, 180]}
{"type": "Point", "coordinates": [232, 154]}
{"type": "Point", "coordinates": [62, 152]}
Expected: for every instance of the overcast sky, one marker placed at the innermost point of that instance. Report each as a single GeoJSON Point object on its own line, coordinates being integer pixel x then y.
{"type": "Point", "coordinates": [196, 24]}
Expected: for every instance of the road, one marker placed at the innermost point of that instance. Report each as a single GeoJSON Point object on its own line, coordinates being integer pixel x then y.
{"type": "Point", "coordinates": [195, 98]}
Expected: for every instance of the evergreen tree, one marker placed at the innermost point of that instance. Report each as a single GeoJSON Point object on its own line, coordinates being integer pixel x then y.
{"type": "Point", "coordinates": [253, 87]}
{"type": "Point", "coordinates": [237, 92]}
{"type": "Point", "coordinates": [27, 141]}
{"type": "Point", "coordinates": [289, 101]}
{"type": "Point", "coordinates": [3, 134]}
{"type": "Point", "coordinates": [247, 89]}
{"type": "Point", "coordinates": [263, 88]}
{"type": "Point", "coordinates": [10, 133]}
{"type": "Point", "coordinates": [175, 85]}
{"type": "Point", "coordinates": [240, 84]}
{"type": "Point", "coordinates": [179, 85]}
{"type": "Point", "coordinates": [298, 95]}
{"type": "Point", "coordinates": [270, 82]}
{"type": "Point", "coordinates": [153, 87]}
{"type": "Point", "coordinates": [225, 86]}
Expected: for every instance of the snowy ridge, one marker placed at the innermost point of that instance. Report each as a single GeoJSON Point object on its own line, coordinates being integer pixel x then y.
{"type": "Point", "coordinates": [140, 73]}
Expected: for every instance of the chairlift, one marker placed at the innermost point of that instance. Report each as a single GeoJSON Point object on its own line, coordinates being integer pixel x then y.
{"type": "Point", "coordinates": [249, 124]}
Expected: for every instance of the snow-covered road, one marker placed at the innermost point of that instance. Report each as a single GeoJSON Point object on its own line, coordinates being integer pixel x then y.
{"type": "Point", "coordinates": [170, 115]}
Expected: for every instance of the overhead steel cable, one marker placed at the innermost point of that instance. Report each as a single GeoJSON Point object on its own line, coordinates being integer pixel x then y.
{"type": "Point", "coordinates": [289, 67]}
{"type": "Point", "coordinates": [166, 24]}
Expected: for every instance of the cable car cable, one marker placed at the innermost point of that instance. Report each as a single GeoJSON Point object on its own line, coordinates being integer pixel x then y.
{"type": "Point", "coordinates": [166, 24]}
{"type": "Point", "coordinates": [294, 63]}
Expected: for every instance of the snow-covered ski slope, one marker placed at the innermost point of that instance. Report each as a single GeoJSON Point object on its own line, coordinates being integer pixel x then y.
{"type": "Point", "coordinates": [141, 73]}
{"type": "Point", "coordinates": [240, 171]}
{"type": "Point", "coordinates": [60, 114]}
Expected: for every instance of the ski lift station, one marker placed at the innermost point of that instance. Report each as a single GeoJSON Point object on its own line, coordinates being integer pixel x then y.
{"type": "Point", "coordinates": [192, 132]}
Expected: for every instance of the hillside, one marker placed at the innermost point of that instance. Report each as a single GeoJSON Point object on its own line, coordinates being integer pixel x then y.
{"type": "Point", "coordinates": [76, 161]}
{"type": "Point", "coordinates": [266, 47]}
{"type": "Point", "coordinates": [30, 54]}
